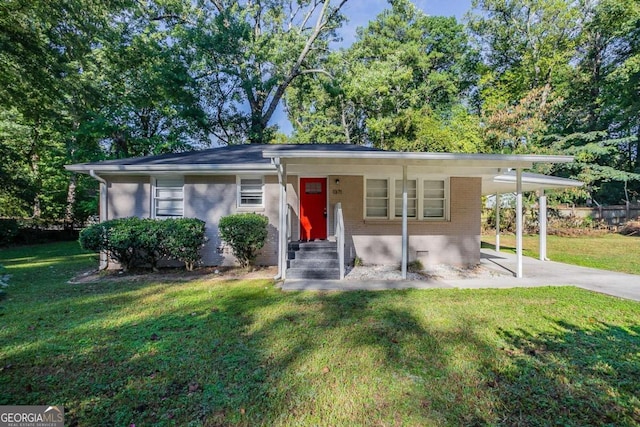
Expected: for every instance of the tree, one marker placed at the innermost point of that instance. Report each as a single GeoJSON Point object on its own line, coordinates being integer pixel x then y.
{"type": "Point", "coordinates": [16, 192]}
{"type": "Point", "coordinates": [405, 72]}
{"type": "Point", "coordinates": [145, 100]}
{"type": "Point", "coordinates": [526, 44]}
{"type": "Point", "coordinates": [250, 52]}
{"type": "Point", "coordinates": [43, 51]}
{"type": "Point", "coordinates": [600, 164]}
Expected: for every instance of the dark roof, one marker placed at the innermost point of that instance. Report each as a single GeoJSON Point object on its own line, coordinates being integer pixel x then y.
{"type": "Point", "coordinates": [230, 154]}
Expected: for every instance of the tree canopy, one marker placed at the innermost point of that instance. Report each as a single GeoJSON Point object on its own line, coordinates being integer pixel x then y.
{"type": "Point", "coordinates": [87, 80]}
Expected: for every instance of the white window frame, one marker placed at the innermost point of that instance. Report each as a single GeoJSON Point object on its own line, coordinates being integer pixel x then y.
{"type": "Point", "coordinates": [388, 198]}
{"type": "Point", "coordinates": [248, 207]}
{"type": "Point", "coordinates": [155, 198]}
{"type": "Point", "coordinates": [446, 200]}
{"type": "Point", "coordinates": [393, 195]}
{"type": "Point", "coordinates": [397, 196]}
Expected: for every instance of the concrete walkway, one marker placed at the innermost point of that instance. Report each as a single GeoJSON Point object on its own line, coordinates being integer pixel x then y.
{"type": "Point", "coordinates": [501, 267]}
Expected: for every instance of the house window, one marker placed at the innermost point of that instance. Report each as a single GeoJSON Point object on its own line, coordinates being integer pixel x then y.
{"type": "Point", "coordinates": [434, 199]}
{"type": "Point", "coordinates": [427, 199]}
{"type": "Point", "coordinates": [250, 192]}
{"type": "Point", "coordinates": [168, 198]}
{"type": "Point", "coordinates": [412, 198]}
{"type": "Point", "coordinates": [377, 198]}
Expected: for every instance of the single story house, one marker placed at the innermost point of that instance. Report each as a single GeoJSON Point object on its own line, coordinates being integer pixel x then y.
{"type": "Point", "coordinates": [382, 207]}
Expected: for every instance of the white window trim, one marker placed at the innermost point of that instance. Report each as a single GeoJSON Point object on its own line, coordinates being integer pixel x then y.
{"type": "Point", "coordinates": [420, 195]}
{"type": "Point", "coordinates": [447, 199]}
{"type": "Point", "coordinates": [248, 208]}
{"type": "Point", "coordinates": [364, 199]}
{"type": "Point", "coordinates": [398, 195]}
{"type": "Point", "coordinates": [154, 186]}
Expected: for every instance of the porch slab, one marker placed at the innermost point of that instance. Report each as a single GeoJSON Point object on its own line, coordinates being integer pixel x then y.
{"type": "Point", "coordinates": [502, 267]}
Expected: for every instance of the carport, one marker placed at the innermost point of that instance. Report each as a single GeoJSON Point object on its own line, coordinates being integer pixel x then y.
{"type": "Point", "coordinates": [517, 182]}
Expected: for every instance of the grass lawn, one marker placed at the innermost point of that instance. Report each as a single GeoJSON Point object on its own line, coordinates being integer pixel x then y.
{"type": "Point", "coordinates": [613, 252]}
{"type": "Point", "coordinates": [238, 352]}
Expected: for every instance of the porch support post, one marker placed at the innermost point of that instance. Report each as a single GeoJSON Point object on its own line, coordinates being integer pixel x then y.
{"type": "Point", "coordinates": [497, 222]}
{"type": "Point", "coordinates": [282, 220]}
{"type": "Point", "coordinates": [519, 222]}
{"type": "Point", "coordinates": [542, 221]}
{"type": "Point", "coordinates": [405, 237]}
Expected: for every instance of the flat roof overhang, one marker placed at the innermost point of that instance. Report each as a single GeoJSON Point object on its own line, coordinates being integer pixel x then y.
{"type": "Point", "coordinates": [379, 158]}
{"type": "Point", "coordinates": [506, 183]}
{"type": "Point", "coordinates": [494, 169]}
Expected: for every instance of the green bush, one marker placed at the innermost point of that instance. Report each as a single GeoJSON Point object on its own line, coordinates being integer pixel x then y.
{"type": "Point", "coordinates": [246, 233]}
{"type": "Point", "coordinates": [137, 242]}
{"type": "Point", "coordinates": [183, 240]}
{"type": "Point", "coordinates": [8, 231]}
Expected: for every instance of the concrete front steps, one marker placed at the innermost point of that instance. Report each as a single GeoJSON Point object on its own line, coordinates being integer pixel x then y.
{"type": "Point", "coordinates": [313, 260]}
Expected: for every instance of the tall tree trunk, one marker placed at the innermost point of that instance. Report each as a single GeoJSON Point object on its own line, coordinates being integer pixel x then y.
{"type": "Point", "coordinates": [71, 200]}
{"type": "Point", "coordinates": [35, 159]}
{"type": "Point", "coordinates": [37, 208]}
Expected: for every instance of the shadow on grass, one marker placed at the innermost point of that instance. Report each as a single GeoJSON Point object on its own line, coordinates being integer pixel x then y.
{"type": "Point", "coordinates": [238, 354]}
{"type": "Point", "coordinates": [572, 376]}
{"type": "Point", "coordinates": [244, 353]}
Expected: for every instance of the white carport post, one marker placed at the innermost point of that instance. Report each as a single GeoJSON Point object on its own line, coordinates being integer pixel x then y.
{"type": "Point", "coordinates": [519, 222]}
{"type": "Point", "coordinates": [405, 237]}
{"type": "Point", "coordinates": [542, 221]}
{"type": "Point", "coordinates": [497, 222]}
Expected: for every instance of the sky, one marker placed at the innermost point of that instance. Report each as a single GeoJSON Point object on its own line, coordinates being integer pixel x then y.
{"type": "Point", "coordinates": [360, 12]}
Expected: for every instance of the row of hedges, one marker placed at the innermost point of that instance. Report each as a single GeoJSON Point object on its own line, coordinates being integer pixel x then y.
{"type": "Point", "coordinates": [137, 242]}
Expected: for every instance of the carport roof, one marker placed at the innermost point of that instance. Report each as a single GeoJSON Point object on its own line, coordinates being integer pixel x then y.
{"type": "Point", "coordinates": [506, 183]}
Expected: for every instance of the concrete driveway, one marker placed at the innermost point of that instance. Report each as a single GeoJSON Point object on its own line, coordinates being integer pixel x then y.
{"type": "Point", "coordinates": [499, 270]}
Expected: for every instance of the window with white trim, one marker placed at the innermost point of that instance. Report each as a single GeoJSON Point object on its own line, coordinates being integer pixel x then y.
{"type": "Point", "coordinates": [412, 198]}
{"type": "Point", "coordinates": [434, 199]}
{"type": "Point", "coordinates": [427, 199]}
{"type": "Point", "coordinates": [250, 192]}
{"type": "Point", "coordinates": [168, 197]}
{"type": "Point", "coordinates": [377, 198]}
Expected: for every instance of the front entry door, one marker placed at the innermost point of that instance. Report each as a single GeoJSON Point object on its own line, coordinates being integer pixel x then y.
{"type": "Point", "coordinates": [313, 208]}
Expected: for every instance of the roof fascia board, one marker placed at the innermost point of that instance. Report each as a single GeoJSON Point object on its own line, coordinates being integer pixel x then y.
{"type": "Point", "coordinates": [200, 168]}
{"type": "Point", "coordinates": [387, 155]}
{"type": "Point", "coordinates": [373, 162]}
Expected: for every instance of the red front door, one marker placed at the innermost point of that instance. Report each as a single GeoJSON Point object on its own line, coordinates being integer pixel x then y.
{"type": "Point", "coordinates": [313, 208]}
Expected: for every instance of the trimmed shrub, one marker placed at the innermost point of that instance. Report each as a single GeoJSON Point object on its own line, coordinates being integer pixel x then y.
{"type": "Point", "coordinates": [183, 240]}
{"type": "Point", "coordinates": [137, 242]}
{"type": "Point", "coordinates": [246, 233]}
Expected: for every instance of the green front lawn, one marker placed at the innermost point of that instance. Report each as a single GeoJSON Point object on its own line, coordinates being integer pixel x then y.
{"type": "Point", "coordinates": [236, 352]}
{"type": "Point", "coordinates": [613, 252]}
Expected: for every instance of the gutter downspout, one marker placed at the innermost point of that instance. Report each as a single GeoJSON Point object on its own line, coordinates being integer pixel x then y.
{"type": "Point", "coordinates": [104, 262]}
